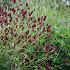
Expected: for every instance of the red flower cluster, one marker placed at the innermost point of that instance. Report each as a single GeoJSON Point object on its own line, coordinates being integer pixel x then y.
{"type": "Point", "coordinates": [3, 17]}
{"type": "Point", "coordinates": [37, 28]}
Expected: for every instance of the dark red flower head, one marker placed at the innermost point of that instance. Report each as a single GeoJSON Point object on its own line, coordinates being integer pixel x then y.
{"type": "Point", "coordinates": [23, 12]}
{"type": "Point", "coordinates": [38, 66]}
{"type": "Point", "coordinates": [44, 18]}
{"type": "Point", "coordinates": [34, 21]}
{"type": "Point", "coordinates": [20, 4]}
{"type": "Point", "coordinates": [26, 4]}
{"type": "Point", "coordinates": [38, 19]}
{"type": "Point", "coordinates": [1, 21]}
{"type": "Point", "coordinates": [5, 14]}
{"type": "Point", "coordinates": [5, 20]}
{"type": "Point", "coordinates": [30, 13]}
{"type": "Point", "coordinates": [10, 20]}
{"type": "Point", "coordinates": [14, 1]}
{"type": "Point", "coordinates": [48, 67]}
{"type": "Point", "coordinates": [13, 10]}
{"type": "Point", "coordinates": [47, 48]}
{"type": "Point", "coordinates": [49, 28]}
{"type": "Point", "coordinates": [1, 11]}
{"type": "Point", "coordinates": [9, 14]}
{"type": "Point", "coordinates": [34, 25]}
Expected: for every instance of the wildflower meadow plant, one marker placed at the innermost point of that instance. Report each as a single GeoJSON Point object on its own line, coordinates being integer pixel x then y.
{"type": "Point", "coordinates": [25, 39]}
